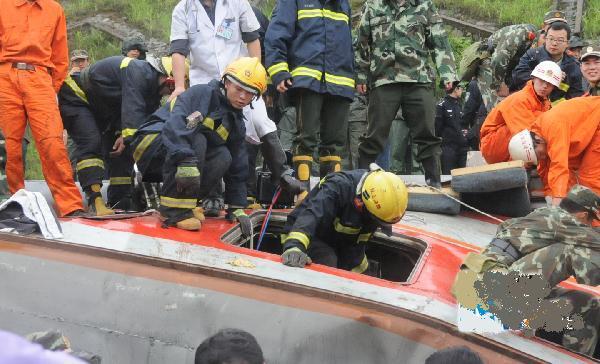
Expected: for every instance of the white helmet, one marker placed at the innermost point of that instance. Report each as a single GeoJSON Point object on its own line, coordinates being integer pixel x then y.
{"type": "Point", "coordinates": [521, 147]}
{"type": "Point", "coordinates": [549, 72]}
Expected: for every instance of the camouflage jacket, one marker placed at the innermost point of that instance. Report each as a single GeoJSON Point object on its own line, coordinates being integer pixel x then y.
{"type": "Point", "coordinates": [552, 225]}
{"type": "Point", "coordinates": [395, 41]}
{"type": "Point", "coordinates": [508, 44]}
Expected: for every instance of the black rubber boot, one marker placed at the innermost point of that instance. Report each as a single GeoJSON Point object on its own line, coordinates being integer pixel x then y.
{"type": "Point", "coordinates": [433, 171]}
{"type": "Point", "coordinates": [329, 164]}
{"type": "Point", "coordinates": [276, 160]}
{"type": "Point", "coordinates": [364, 161]}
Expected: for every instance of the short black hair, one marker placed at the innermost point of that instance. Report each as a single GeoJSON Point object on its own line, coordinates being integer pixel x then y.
{"type": "Point", "coordinates": [572, 207]}
{"type": "Point", "coordinates": [561, 25]}
{"type": "Point", "coordinates": [229, 346]}
{"type": "Point", "coordinates": [454, 355]}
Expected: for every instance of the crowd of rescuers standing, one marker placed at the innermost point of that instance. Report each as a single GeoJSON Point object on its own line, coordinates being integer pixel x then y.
{"type": "Point", "coordinates": [214, 81]}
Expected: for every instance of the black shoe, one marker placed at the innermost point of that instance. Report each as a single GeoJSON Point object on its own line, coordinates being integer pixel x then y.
{"type": "Point", "coordinates": [213, 206]}
{"type": "Point", "coordinates": [433, 171]}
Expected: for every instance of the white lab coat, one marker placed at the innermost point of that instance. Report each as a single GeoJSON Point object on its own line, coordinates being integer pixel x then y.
{"type": "Point", "coordinates": [210, 52]}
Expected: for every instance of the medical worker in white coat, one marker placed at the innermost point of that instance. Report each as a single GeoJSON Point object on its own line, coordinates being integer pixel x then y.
{"type": "Point", "coordinates": [214, 33]}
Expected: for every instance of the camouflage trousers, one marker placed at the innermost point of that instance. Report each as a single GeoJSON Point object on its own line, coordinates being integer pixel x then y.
{"type": "Point", "coordinates": [525, 292]}
{"type": "Point", "coordinates": [485, 80]}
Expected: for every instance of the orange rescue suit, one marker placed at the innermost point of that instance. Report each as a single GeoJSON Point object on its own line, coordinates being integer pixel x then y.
{"type": "Point", "coordinates": [514, 114]}
{"type": "Point", "coordinates": [33, 65]}
{"type": "Point", "coordinates": [572, 138]}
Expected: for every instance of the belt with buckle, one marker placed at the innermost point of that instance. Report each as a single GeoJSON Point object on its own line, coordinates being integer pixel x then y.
{"type": "Point", "coordinates": [23, 66]}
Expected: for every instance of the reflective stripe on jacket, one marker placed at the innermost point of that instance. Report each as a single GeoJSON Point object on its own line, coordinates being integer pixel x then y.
{"type": "Point", "coordinates": [310, 41]}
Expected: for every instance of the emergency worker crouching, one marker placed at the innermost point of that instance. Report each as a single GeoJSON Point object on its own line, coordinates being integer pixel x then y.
{"type": "Point", "coordinates": [335, 221]}
{"type": "Point", "coordinates": [518, 111]}
{"type": "Point", "coordinates": [204, 142]}
{"type": "Point", "coordinates": [121, 93]}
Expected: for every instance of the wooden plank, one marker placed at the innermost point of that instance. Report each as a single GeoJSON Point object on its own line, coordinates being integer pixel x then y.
{"type": "Point", "coordinates": [487, 168]}
{"type": "Point", "coordinates": [427, 191]}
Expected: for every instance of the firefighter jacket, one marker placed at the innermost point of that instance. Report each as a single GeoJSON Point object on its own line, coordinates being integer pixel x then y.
{"type": "Point", "coordinates": [329, 214]}
{"type": "Point", "coordinates": [570, 87]}
{"type": "Point", "coordinates": [449, 123]}
{"type": "Point", "coordinates": [122, 91]}
{"type": "Point", "coordinates": [71, 93]}
{"type": "Point", "coordinates": [310, 42]}
{"type": "Point", "coordinates": [205, 109]}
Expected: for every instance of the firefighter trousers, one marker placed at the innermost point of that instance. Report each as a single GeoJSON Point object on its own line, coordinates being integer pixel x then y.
{"type": "Point", "coordinates": [213, 163]}
{"type": "Point", "coordinates": [338, 254]}
{"type": "Point", "coordinates": [27, 96]}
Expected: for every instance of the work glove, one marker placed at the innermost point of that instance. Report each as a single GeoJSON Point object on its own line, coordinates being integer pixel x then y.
{"type": "Point", "coordinates": [295, 257]}
{"type": "Point", "coordinates": [244, 220]}
{"type": "Point", "coordinates": [291, 184]}
{"type": "Point", "coordinates": [187, 178]}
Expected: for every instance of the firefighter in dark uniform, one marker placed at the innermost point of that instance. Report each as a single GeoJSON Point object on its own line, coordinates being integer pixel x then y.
{"type": "Point", "coordinates": [335, 221]}
{"type": "Point", "coordinates": [122, 92]}
{"type": "Point", "coordinates": [449, 126]}
{"type": "Point", "coordinates": [204, 139]}
{"type": "Point", "coordinates": [81, 126]}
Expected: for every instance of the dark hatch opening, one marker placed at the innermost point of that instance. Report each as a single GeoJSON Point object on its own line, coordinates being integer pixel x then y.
{"type": "Point", "coordinates": [391, 258]}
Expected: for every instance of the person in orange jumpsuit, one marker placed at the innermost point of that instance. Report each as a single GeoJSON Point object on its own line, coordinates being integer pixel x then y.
{"type": "Point", "coordinates": [565, 144]}
{"type": "Point", "coordinates": [33, 64]}
{"type": "Point", "coordinates": [517, 112]}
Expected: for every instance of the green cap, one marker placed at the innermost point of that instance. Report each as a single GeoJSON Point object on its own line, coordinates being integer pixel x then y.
{"type": "Point", "coordinates": [590, 50]}
{"type": "Point", "coordinates": [135, 42]}
{"type": "Point", "coordinates": [79, 54]}
{"type": "Point", "coordinates": [585, 197]}
{"type": "Point", "coordinates": [576, 42]}
{"type": "Point", "coordinates": [554, 16]}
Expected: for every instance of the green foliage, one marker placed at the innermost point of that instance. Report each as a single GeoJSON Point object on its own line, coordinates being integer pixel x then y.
{"type": "Point", "coordinates": [152, 16]}
{"type": "Point", "coordinates": [591, 20]}
{"type": "Point", "coordinates": [502, 12]}
{"type": "Point", "coordinates": [98, 44]}
{"type": "Point", "coordinates": [33, 166]}
{"type": "Point", "coordinates": [459, 43]}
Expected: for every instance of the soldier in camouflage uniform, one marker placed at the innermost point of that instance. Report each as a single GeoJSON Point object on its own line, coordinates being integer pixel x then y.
{"type": "Point", "coordinates": [590, 68]}
{"type": "Point", "coordinates": [395, 41]}
{"type": "Point", "coordinates": [538, 252]}
{"type": "Point", "coordinates": [505, 47]}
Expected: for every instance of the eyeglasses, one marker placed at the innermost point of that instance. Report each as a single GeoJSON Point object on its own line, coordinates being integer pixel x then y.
{"type": "Point", "coordinates": [556, 40]}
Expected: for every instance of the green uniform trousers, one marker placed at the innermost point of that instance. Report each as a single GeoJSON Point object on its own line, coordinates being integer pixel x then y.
{"type": "Point", "coordinates": [417, 101]}
{"type": "Point", "coordinates": [320, 115]}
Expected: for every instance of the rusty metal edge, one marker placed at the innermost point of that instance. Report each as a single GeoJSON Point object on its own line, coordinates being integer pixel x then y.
{"type": "Point", "coordinates": [275, 284]}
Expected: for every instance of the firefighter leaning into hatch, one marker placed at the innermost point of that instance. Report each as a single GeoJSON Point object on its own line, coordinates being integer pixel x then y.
{"type": "Point", "coordinates": [121, 93]}
{"type": "Point", "coordinates": [204, 141]}
{"type": "Point", "coordinates": [335, 221]}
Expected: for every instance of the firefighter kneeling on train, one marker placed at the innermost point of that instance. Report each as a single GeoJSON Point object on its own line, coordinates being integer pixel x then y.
{"type": "Point", "coordinates": [204, 142]}
{"type": "Point", "coordinates": [335, 221]}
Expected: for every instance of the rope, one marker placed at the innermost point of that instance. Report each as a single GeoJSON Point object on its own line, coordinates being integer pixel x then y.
{"type": "Point", "coordinates": [439, 190]}
{"type": "Point", "coordinates": [267, 217]}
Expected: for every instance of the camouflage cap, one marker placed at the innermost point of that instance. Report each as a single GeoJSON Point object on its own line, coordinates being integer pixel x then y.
{"type": "Point", "coordinates": [576, 42]}
{"type": "Point", "coordinates": [50, 340]}
{"type": "Point", "coordinates": [554, 16]}
{"type": "Point", "coordinates": [590, 50]}
{"type": "Point", "coordinates": [585, 197]}
{"type": "Point", "coordinates": [134, 42]}
{"type": "Point", "coordinates": [79, 54]}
